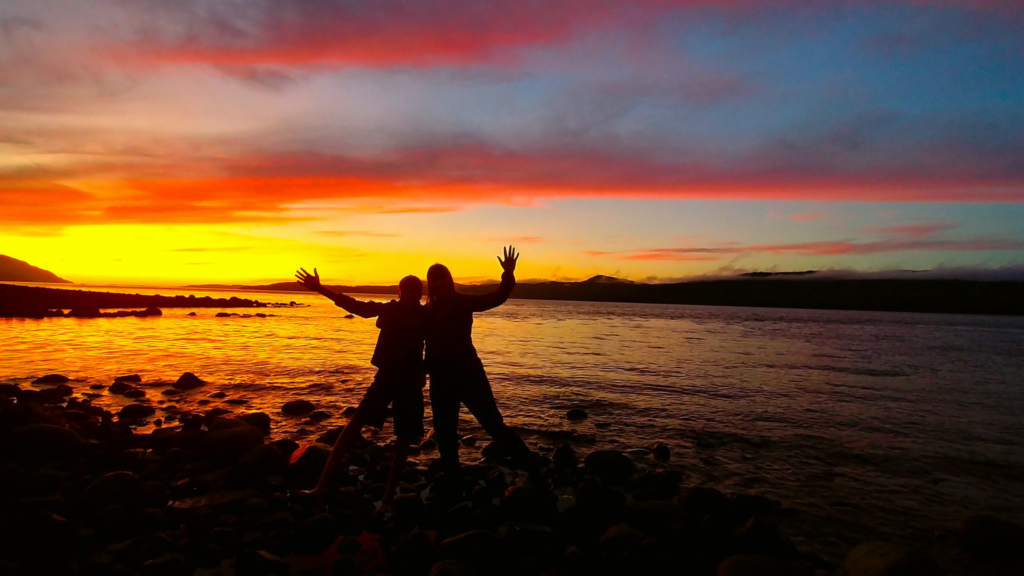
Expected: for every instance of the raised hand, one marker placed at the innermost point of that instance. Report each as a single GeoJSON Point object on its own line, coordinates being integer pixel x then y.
{"type": "Point", "coordinates": [311, 281]}
{"type": "Point", "coordinates": [511, 257]}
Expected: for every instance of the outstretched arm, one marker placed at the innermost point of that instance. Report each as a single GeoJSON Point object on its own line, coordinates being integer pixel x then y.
{"type": "Point", "coordinates": [485, 302]}
{"type": "Point", "coordinates": [347, 303]}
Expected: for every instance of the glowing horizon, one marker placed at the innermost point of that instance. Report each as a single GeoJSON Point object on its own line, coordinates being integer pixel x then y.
{"type": "Point", "coordinates": [231, 142]}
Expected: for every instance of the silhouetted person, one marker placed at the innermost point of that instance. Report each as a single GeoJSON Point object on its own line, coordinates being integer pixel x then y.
{"type": "Point", "coordinates": [456, 374]}
{"type": "Point", "coordinates": [399, 380]}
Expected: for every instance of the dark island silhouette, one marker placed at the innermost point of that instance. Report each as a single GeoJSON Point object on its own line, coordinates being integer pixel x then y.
{"type": "Point", "coordinates": [14, 270]}
{"type": "Point", "coordinates": [757, 289]}
{"type": "Point", "coordinates": [35, 302]}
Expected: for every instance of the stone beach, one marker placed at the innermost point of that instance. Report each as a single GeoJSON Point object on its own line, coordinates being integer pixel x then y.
{"type": "Point", "coordinates": [212, 492]}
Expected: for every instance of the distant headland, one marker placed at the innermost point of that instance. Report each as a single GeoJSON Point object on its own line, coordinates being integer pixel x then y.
{"type": "Point", "coordinates": [758, 289]}
{"type": "Point", "coordinates": [14, 270]}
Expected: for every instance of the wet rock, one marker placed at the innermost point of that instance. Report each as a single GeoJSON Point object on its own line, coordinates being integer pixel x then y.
{"type": "Point", "coordinates": [153, 311]}
{"type": "Point", "coordinates": [135, 411]}
{"type": "Point", "coordinates": [52, 379]}
{"type": "Point", "coordinates": [257, 419]}
{"type": "Point", "coordinates": [170, 392]}
{"type": "Point", "coordinates": [166, 565]}
{"type": "Point", "coordinates": [662, 485]}
{"type": "Point", "coordinates": [428, 444]}
{"type": "Point", "coordinates": [991, 539]}
{"type": "Point", "coordinates": [611, 465]}
{"type": "Point", "coordinates": [661, 452]}
{"type": "Point", "coordinates": [188, 381]}
{"type": "Point", "coordinates": [237, 401]}
{"type": "Point", "coordinates": [113, 487]}
{"type": "Point", "coordinates": [97, 387]}
{"type": "Point", "coordinates": [475, 547]}
{"type": "Point", "coordinates": [234, 442]}
{"type": "Point", "coordinates": [215, 414]}
{"type": "Point", "coordinates": [136, 393]}
{"type": "Point", "coordinates": [263, 460]}
{"type": "Point", "coordinates": [9, 390]}
{"type": "Point", "coordinates": [468, 440]}
{"type": "Point", "coordinates": [619, 538]}
{"type": "Point", "coordinates": [701, 501]}
{"type": "Point", "coordinates": [319, 415]}
{"type": "Point", "coordinates": [218, 394]}
{"type": "Point", "coordinates": [298, 407]}
{"type": "Point", "coordinates": [576, 414]}
{"type": "Point", "coordinates": [348, 411]}
{"type": "Point", "coordinates": [119, 387]}
{"type": "Point", "coordinates": [564, 457]}
{"type": "Point", "coordinates": [451, 568]}
{"type": "Point", "coordinates": [308, 461]}
{"type": "Point", "coordinates": [45, 441]}
{"type": "Point", "coordinates": [408, 506]}
{"type": "Point", "coordinates": [758, 565]}
{"type": "Point", "coordinates": [130, 378]}
{"type": "Point", "coordinates": [54, 395]}
{"type": "Point", "coordinates": [348, 316]}
{"type": "Point", "coordinates": [191, 314]}
{"type": "Point", "coordinates": [316, 535]}
{"type": "Point", "coordinates": [885, 559]}
{"type": "Point", "coordinates": [526, 504]}
{"type": "Point", "coordinates": [260, 563]}
{"type": "Point", "coordinates": [286, 446]}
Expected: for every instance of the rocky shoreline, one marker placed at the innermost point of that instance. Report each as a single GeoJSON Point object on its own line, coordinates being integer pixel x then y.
{"type": "Point", "coordinates": [34, 302]}
{"type": "Point", "coordinates": [213, 493]}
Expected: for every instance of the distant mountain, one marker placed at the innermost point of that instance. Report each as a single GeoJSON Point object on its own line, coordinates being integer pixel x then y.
{"type": "Point", "coordinates": [14, 270]}
{"type": "Point", "coordinates": [760, 289]}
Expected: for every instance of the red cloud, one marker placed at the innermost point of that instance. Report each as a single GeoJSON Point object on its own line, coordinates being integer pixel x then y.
{"type": "Point", "coordinates": [379, 33]}
{"type": "Point", "coordinates": [916, 230]}
{"type": "Point", "coordinates": [444, 177]}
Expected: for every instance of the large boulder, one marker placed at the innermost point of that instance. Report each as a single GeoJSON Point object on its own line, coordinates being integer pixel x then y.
{"type": "Point", "coordinates": [233, 442]}
{"type": "Point", "coordinates": [112, 487]}
{"type": "Point", "coordinates": [308, 461]}
{"type": "Point", "coordinates": [120, 387]}
{"type": "Point", "coordinates": [52, 379]}
{"type": "Point", "coordinates": [298, 407]}
{"type": "Point", "coordinates": [886, 559]}
{"type": "Point", "coordinates": [257, 419]}
{"type": "Point", "coordinates": [316, 535]}
{"type": "Point", "coordinates": [46, 441]}
{"type": "Point", "coordinates": [611, 465]}
{"type": "Point", "coordinates": [991, 539]}
{"type": "Point", "coordinates": [564, 457]}
{"type": "Point", "coordinates": [188, 381]}
{"type": "Point", "coordinates": [758, 565]}
{"type": "Point", "coordinates": [701, 501]}
{"type": "Point", "coordinates": [135, 411]}
{"type": "Point", "coordinates": [264, 460]}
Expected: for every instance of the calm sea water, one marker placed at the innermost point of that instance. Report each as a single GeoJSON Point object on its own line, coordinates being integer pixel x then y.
{"type": "Point", "coordinates": [872, 425]}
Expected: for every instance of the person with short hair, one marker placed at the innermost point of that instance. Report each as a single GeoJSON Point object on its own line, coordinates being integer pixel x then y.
{"type": "Point", "coordinates": [400, 378]}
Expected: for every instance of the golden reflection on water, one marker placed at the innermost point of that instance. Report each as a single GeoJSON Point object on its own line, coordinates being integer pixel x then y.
{"type": "Point", "coordinates": [913, 420]}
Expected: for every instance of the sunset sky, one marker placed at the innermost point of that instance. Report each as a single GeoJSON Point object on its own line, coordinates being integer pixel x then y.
{"type": "Point", "coordinates": [232, 141]}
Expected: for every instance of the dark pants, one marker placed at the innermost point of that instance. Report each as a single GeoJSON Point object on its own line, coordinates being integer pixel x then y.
{"type": "Point", "coordinates": [451, 386]}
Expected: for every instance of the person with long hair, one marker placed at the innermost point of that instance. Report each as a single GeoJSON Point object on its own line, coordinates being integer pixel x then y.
{"type": "Point", "coordinates": [457, 375]}
{"type": "Point", "coordinates": [399, 380]}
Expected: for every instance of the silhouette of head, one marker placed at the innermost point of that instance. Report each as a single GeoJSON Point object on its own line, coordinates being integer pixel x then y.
{"type": "Point", "coordinates": [410, 289]}
{"type": "Point", "coordinates": [439, 282]}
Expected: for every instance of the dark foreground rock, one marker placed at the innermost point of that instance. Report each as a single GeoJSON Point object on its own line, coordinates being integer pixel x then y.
{"type": "Point", "coordinates": [210, 493]}
{"type": "Point", "coordinates": [188, 381]}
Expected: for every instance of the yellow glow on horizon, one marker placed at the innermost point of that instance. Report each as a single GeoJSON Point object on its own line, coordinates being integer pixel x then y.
{"type": "Point", "coordinates": [176, 255]}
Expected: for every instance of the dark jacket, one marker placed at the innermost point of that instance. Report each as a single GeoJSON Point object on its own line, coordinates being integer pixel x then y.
{"type": "Point", "coordinates": [400, 342]}
{"type": "Point", "coordinates": [450, 325]}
